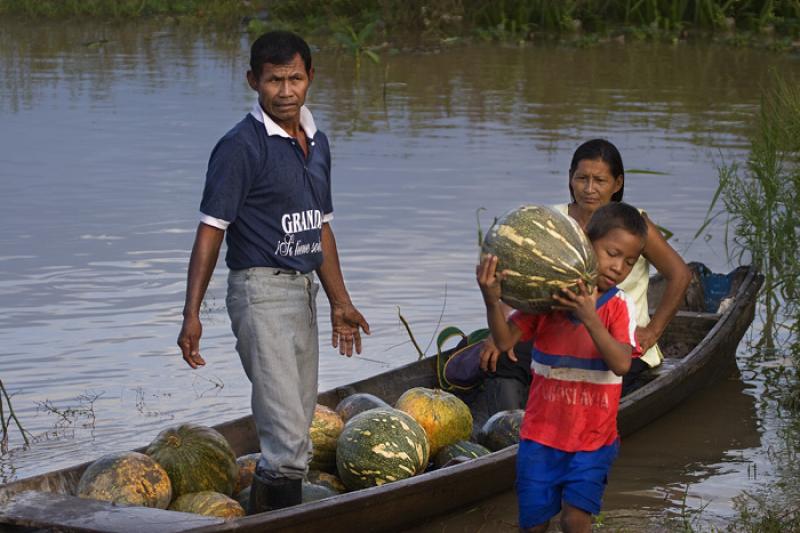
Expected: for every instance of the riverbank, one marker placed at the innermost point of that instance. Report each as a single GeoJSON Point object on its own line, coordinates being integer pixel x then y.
{"type": "Point", "coordinates": [368, 24]}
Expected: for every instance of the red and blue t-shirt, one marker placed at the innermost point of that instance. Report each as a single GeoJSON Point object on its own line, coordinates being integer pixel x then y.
{"type": "Point", "coordinates": [574, 397]}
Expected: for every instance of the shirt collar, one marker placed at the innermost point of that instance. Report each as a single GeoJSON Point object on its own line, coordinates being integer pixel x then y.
{"type": "Point", "coordinates": [604, 298]}
{"type": "Point", "coordinates": [306, 122]}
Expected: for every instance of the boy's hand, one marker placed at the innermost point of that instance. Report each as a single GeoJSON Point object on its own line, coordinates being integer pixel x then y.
{"type": "Point", "coordinates": [582, 305]}
{"type": "Point", "coordinates": [489, 280]}
{"type": "Point", "coordinates": [490, 354]}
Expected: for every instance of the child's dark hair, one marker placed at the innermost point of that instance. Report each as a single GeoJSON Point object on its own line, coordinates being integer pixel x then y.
{"type": "Point", "coordinates": [605, 151]}
{"type": "Point", "coordinates": [616, 215]}
{"type": "Point", "coordinates": [278, 48]}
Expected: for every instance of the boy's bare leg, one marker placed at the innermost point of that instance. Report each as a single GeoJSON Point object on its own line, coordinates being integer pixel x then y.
{"type": "Point", "coordinates": [540, 528]}
{"type": "Point", "coordinates": [574, 520]}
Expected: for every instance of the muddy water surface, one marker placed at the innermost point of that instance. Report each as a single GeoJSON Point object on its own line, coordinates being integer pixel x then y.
{"type": "Point", "coordinates": [104, 137]}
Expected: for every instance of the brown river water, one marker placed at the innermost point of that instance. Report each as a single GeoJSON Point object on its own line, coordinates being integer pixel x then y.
{"type": "Point", "coordinates": [105, 132]}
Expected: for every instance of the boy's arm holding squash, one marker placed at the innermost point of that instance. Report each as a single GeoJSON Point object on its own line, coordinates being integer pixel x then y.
{"type": "Point", "coordinates": [505, 333]}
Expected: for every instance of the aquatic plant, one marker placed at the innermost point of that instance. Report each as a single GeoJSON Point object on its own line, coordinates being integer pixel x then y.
{"type": "Point", "coordinates": [355, 42]}
{"type": "Point", "coordinates": [761, 206]}
{"type": "Point", "coordinates": [5, 420]}
{"type": "Point", "coordinates": [760, 203]}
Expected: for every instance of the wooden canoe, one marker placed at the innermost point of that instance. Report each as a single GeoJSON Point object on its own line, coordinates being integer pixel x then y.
{"type": "Point", "coordinates": [700, 346]}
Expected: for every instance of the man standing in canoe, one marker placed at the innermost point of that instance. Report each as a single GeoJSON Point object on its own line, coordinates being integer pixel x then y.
{"type": "Point", "coordinates": [268, 186]}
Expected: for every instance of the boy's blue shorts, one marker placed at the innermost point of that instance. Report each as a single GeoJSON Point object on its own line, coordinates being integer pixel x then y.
{"type": "Point", "coordinates": [546, 477]}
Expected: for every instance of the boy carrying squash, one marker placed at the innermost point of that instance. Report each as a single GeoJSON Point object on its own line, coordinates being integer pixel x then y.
{"type": "Point", "coordinates": [581, 350]}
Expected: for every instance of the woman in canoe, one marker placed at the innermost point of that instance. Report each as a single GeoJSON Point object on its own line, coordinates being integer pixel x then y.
{"type": "Point", "coordinates": [596, 177]}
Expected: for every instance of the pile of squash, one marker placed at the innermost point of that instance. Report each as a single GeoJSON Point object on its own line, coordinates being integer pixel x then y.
{"type": "Point", "coordinates": [364, 442]}
{"type": "Point", "coordinates": [188, 468]}
{"type": "Point", "coordinates": [426, 429]}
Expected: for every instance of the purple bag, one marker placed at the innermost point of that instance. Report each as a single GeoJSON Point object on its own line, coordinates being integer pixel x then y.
{"type": "Point", "coordinates": [459, 369]}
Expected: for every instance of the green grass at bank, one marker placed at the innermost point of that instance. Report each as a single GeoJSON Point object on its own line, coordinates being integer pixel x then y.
{"type": "Point", "coordinates": [522, 19]}
{"type": "Point", "coordinates": [125, 9]}
{"type": "Point", "coordinates": [507, 20]}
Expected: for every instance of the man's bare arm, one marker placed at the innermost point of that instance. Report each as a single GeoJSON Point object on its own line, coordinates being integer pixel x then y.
{"type": "Point", "coordinates": [205, 252]}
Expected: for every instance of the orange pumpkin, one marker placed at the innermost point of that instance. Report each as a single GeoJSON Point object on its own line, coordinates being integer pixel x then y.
{"type": "Point", "coordinates": [325, 429]}
{"type": "Point", "coordinates": [127, 478]}
{"type": "Point", "coordinates": [247, 467]}
{"type": "Point", "coordinates": [208, 503]}
{"type": "Point", "coordinates": [445, 418]}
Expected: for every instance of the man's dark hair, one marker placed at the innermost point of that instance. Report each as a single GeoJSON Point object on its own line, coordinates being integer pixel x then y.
{"type": "Point", "coordinates": [607, 153]}
{"type": "Point", "coordinates": [616, 215]}
{"type": "Point", "coordinates": [278, 48]}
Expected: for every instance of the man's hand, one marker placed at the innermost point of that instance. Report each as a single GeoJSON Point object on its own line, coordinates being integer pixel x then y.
{"type": "Point", "coordinates": [189, 341]}
{"type": "Point", "coordinates": [582, 304]}
{"type": "Point", "coordinates": [346, 323]}
{"type": "Point", "coordinates": [490, 353]}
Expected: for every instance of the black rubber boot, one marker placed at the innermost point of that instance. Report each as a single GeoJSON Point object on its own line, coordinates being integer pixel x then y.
{"type": "Point", "coordinates": [269, 494]}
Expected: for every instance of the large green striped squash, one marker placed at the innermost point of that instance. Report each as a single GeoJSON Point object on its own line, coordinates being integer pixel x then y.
{"type": "Point", "coordinates": [501, 430]}
{"type": "Point", "coordinates": [380, 446]}
{"type": "Point", "coordinates": [358, 403]}
{"type": "Point", "coordinates": [128, 478]}
{"type": "Point", "coordinates": [197, 458]}
{"type": "Point", "coordinates": [326, 480]}
{"type": "Point", "coordinates": [313, 492]}
{"type": "Point", "coordinates": [539, 251]}
{"type": "Point", "coordinates": [208, 503]}
{"type": "Point", "coordinates": [444, 417]}
{"type": "Point", "coordinates": [464, 448]}
{"type": "Point", "coordinates": [324, 432]}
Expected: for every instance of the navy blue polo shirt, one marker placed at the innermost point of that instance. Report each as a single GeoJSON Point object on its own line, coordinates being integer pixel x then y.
{"type": "Point", "coordinates": [269, 197]}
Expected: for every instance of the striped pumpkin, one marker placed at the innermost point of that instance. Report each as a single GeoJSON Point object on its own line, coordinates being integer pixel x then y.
{"type": "Point", "coordinates": [540, 251]}
{"type": "Point", "coordinates": [501, 430]}
{"type": "Point", "coordinates": [197, 458]}
{"type": "Point", "coordinates": [358, 403]}
{"type": "Point", "coordinates": [313, 492]}
{"type": "Point", "coordinates": [128, 478]}
{"type": "Point", "coordinates": [380, 446]}
{"type": "Point", "coordinates": [463, 448]}
{"type": "Point", "coordinates": [326, 480]}
{"type": "Point", "coordinates": [324, 432]}
{"type": "Point", "coordinates": [247, 468]}
{"type": "Point", "coordinates": [208, 503]}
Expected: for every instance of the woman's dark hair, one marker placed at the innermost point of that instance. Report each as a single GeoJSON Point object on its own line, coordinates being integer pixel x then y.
{"type": "Point", "coordinates": [616, 215]}
{"type": "Point", "coordinates": [278, 48]}
{"type": "Point", "coordinates": [607, 153]}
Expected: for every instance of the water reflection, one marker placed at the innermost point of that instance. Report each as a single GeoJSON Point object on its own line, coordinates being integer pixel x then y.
{"type": "Point", "coordinates": [104, 150]}
{"type": "Point", "coordinates": [707, 445]}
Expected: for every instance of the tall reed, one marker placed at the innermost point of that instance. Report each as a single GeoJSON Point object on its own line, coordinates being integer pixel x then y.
{"type": "Point", "coordinates": [761, 202]}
